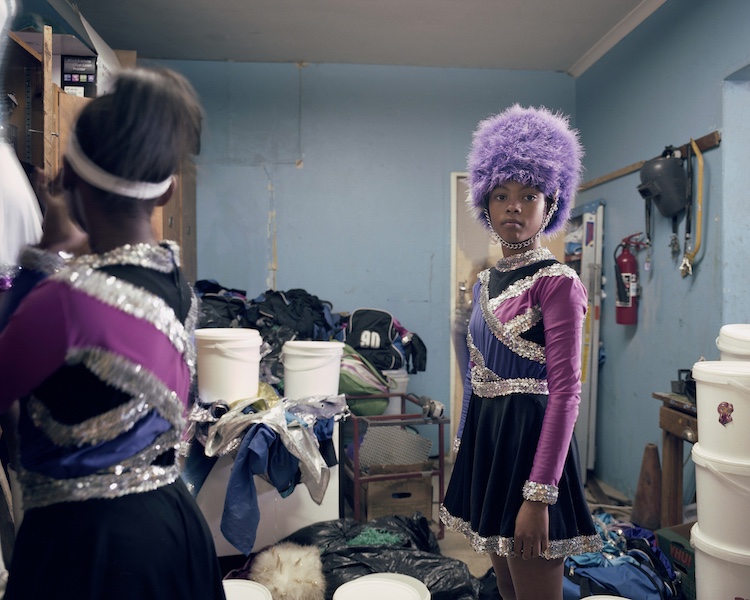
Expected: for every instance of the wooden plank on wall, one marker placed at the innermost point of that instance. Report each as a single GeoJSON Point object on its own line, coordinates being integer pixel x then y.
{"type": "Point", "coordinates": [704, 143]}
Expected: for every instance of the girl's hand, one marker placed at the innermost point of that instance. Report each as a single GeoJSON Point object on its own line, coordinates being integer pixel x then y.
{"type": "Point", "coordinates": [531, 537]}
{"type": "Point", "coordinates": [59, 231]}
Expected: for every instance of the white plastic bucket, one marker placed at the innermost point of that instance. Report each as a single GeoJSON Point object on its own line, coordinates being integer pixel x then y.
{"type": "Point", "coordinates": [721, 571]}
{"type": "Point", "coordinates": [311, 368]}
{"type": "Point", "coordinates": [722, 390]}
{"type": "Point", "coordinates": [734, 341]}
{"type": "Point", "coordinates": [228, 363]}
{"type": "Point", "coordinates": [244, 589]}
{"type": "Point", "coordinates": [378, 586]}
{"type": "Point", "coordinates": [401, 378]}
{"type": "Point", "coordinates": [723, 491]}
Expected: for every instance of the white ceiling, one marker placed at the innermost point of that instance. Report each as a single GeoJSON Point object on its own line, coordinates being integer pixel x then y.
{"type": "Point", "coordinates": [549, 35]}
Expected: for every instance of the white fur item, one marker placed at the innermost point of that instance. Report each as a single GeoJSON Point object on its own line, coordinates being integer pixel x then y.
{"type": "Point", "coordinates": [290, 572]}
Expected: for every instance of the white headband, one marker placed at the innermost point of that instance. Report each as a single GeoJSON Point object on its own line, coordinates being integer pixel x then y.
{"type": "Point", "coordinates": [98, 177]}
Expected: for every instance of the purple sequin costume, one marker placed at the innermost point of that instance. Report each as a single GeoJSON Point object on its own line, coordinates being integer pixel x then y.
{"type": "Point", "coordinates": [100, 353]}
{"type": "Point", "coordinates": [515, 437]}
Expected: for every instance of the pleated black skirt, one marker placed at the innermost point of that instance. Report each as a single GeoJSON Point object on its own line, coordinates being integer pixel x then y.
{"type": "Point", "coordinates": [494, 461]}
{"type": "Point", "coordinates": [150, 546]}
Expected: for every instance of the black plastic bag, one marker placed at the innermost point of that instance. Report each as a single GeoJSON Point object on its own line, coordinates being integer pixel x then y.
{"type": "Point", "coordinates": [417, 554]}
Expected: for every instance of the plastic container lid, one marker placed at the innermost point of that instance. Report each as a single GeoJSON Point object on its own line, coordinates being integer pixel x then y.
{"type": "Point", "coordinates": [244, 589]}
{"type": "Point", "coordinates": [701, 541]}
{"type": "Point", "coordinates": [229, 334]}
{"type": "Point", "coordinates": [717, 371]}
{"type": "Point", "coordinates": [703, 458]}
{"type": "Point", "coordinates": [376, 587]}
{"type": "Point", "coordinates": [424, 593]}
{"type": "Point", "coordinates": [314, 346]}
{"type": "Point", "coordinates": [734, 338]}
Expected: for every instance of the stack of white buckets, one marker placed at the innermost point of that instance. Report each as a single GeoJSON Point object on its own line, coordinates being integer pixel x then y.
{"type": "Point", "coordinates": [721, 537]}
{"type": "Point", "coordinates": [228, 368]}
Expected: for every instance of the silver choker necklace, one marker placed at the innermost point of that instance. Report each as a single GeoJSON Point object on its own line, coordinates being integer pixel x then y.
{"type": "Point", "coordinates": [525, 243]}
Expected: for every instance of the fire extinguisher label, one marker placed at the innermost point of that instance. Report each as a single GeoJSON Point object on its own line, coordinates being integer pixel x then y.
{"type": "Point", "coordinates": [630, 281]}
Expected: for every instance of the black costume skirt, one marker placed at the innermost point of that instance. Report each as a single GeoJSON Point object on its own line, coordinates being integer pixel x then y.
{"type": "Point", "coordinates": [494, 461]}
{"type": "Point", "coordinates": [150, 546]}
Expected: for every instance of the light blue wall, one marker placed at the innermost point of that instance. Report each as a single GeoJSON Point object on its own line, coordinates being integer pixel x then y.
{"type": "Point", "coordinates": [662, 85]}
{"type": "Point", "coordinates": [364, 220]}
{"type": "Point", "coordinates": [352, 164]}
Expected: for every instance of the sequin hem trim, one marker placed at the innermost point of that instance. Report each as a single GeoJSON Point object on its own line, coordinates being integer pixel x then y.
{"type": "Point", "coordinates": [503, 546]}
{"type": "Point", "coordinates": [40, 491]}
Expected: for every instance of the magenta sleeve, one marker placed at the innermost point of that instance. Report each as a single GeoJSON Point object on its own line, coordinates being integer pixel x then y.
{"type": "Point", "coordinates": [33, 344]}
{"type": "Point", "coordinates": [563, 302]}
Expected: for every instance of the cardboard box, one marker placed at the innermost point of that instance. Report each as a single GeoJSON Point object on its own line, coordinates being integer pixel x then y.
{"type": "Point", "coordinates": [675, 543]}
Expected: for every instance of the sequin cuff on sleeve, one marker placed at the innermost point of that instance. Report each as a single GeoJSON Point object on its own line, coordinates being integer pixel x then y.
{"type": "Point", "coordinates": [456, 444]}
{"type": "Point", "coordinates": [540, 492]}
{"type": "Point", "coordinates": [38, 260]}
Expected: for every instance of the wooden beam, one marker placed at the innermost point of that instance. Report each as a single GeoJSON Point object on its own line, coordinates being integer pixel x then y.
{"type": "Point", "coordinates": [704, 143]}
{"type": "Point", "coordinates": [50, 127]}
{"type": "Point", "coordinates": [25, 46]}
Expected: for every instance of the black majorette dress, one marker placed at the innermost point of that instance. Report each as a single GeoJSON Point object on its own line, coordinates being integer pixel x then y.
{"type": "Point", "coordinates": [515, 437]}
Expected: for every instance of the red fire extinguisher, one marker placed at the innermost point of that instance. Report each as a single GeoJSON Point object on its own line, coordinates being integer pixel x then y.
{"type": "Point", "coordinates": [626, 276]}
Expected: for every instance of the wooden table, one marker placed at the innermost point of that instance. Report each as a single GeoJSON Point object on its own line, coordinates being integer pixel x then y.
{"type": "Point", "coordinates": [679, 423]}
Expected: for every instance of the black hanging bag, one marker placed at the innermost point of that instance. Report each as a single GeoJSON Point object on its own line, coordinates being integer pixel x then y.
{"type": "Point", "coordinates": [371, 332]}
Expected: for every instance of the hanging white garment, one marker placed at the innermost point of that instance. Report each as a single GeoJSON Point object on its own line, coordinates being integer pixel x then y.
{"type": "Point", "coordinates": [21, 216]}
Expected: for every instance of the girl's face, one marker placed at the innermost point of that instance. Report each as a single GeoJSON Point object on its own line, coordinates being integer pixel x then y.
{"type": "Point", "coordinates": [517, 212]}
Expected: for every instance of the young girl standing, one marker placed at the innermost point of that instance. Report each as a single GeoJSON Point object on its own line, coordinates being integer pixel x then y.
{"type": "Point", "coordinates": [515, 491]}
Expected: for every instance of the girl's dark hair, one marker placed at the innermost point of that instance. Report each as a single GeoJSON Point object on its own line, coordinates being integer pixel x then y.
{"type": "Point", "coordinates": [143, 128]}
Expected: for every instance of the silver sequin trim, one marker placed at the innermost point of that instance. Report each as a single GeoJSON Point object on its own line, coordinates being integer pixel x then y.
{"type": "Point", "coordinates": [510, 333]}
{"type": "Point", "coordinates": [133, 301]}
{"type": "Point", "coordinates": [163, 258]}
{"type": "Point", "coordinates": [149, 393]}
{"type": "Point", "coordinates": [39, 490]}
{"type": "Point", "coordinates": [511, 263]}
{"type": "Point", "coordinates": [160, 258]}
{"type": "Point", "coordinates": [540, 492]}
{"type": "Point", "coordinates": [488, 384]}
{"type": "Point", "coordinates": [503, 546]}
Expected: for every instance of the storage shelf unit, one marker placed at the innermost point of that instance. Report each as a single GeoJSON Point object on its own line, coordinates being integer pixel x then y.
{"type": "Point", "coordinates": [353, 472]}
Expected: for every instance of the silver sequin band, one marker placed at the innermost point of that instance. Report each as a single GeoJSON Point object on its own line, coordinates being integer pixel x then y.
{"type": "Point", "coordinates": [42, 491]}
{"type": "Point", "coordinates": [503, 546]}
{"type": "Point", "coordinates": [36, 259]}
{"type": "Point", "coordinates": [487, 384]}
{"type": "Point", "coordinates": [540, 492]}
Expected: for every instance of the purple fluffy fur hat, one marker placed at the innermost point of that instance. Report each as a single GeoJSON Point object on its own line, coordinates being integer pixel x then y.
{"type": "Point", "coordinates": [532, 146]}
